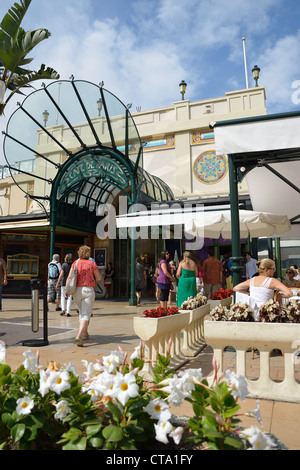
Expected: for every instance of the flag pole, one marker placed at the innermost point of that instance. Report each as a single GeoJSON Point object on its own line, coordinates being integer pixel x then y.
{"type": "Point", "coordinates": [245, 62]}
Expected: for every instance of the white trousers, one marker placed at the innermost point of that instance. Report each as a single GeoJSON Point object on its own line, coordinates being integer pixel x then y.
{"type": "Point", "coordinates": [65, 303]}
{"type": "Point", "coordinates": [84, 298]}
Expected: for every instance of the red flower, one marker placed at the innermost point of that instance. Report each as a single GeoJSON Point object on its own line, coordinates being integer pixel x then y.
{"type": "Point", "coordinates": [161, 312]}
{"type": "Point", "coordinates": [222, 294]}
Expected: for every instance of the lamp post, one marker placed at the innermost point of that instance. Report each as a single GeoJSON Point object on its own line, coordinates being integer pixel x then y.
{"type": "Point", "coordinates": [45, 117]}
{"type": "Point", "coordinates": [255, 72]}
{"type": "Point", "coordinates": [99, 106]}
{"type": "Point", "coordinates": [182, 87]}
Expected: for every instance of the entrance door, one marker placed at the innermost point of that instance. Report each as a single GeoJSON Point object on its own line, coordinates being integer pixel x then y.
{"type": "Point", "coordinates": [122, 268]}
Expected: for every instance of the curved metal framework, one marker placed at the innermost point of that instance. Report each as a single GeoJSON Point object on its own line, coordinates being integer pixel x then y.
{"type": "Point", "coordinates": [88, 149]}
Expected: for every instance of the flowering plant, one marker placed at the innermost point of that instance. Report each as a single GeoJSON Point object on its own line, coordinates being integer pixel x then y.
{"type": "Point", "coordinates": [161, 312]}
{"type": "Point", "coordinates": [109, 406]}
{"type": "Point", "coordinates": [194, 302]}
{"type": "Point", "coordinates": [270, 312]}
{"type": "Point", "coordinates": [222, 294]}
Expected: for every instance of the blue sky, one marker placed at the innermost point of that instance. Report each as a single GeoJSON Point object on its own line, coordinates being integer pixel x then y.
{"type": "Point", "coordinates": [142, 49]}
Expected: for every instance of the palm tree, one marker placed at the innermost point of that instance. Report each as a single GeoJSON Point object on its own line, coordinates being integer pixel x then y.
{"type": "Point", "coordinates": [15, 45]}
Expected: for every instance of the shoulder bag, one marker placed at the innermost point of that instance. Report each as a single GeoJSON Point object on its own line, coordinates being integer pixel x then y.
{"type": "Point", "coordinates": [71, 286]}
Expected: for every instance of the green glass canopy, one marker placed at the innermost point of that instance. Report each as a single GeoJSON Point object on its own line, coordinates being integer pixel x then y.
{"type": "Point", "coordinates": [80, 146]}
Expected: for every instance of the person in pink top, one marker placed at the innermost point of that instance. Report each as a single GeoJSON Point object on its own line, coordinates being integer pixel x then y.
{"type": "Point", "coordinates": [84, 296]}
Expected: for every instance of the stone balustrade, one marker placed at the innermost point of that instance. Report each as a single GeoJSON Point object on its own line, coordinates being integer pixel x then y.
{"type": "Point", "coordinates": [265, 337]}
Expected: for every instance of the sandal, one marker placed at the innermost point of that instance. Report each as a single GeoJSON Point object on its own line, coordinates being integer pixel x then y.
{"type": "Point", "coordinates": [79, 341]}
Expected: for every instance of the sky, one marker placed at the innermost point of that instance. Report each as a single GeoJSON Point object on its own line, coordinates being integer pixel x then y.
{"type": "Point", "coordinates": [142, 49]}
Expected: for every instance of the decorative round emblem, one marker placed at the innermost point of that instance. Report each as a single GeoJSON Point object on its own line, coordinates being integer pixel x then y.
{"type": "Point", "coordinates": [210, 168]}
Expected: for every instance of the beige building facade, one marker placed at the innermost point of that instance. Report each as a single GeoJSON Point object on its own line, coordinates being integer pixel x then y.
{"type": "Point", "coordinates": [178, 148]}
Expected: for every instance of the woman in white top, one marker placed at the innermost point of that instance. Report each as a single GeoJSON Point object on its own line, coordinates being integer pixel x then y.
{"type": "Point", "coordinates": [261, 288]}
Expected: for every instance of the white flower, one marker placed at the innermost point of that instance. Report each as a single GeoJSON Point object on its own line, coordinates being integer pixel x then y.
{"type": "Point", "coordinates": [180, 387]}
{"type": "Point", "coordinates": [2, 352]}
{"type": "Point", "coordinates": [104, 384]}
{"type": "Point", "coordinates": [177, 434]}
{"type": "Point", "coordinates": [59, 381]}
{"type": "Point", "coordinates": [136, 353]}
{"type": "Point", "coordinates": [44, 383]}
{"type": "Point", "coordinates": [62, 409]}
{"type": "Point", "coordinates": [256, 413]}
{"type": "Point", "coordinates": [175, 390]}
{"type": "Point", "coordinates": [92, 368]}
{"type": "Point", "coordinates": [114, 360]}
{"type": "Point", "coordinates": [24, 405]}
{"type": "Point", "coordinates": [156, 407]}
{"type": "Point", "coordinates": [30, 362]}
{"type": "Point", "coordinates": [72, 368]}
{"type": "Point", "coordinates": [257, 439]}
{"type": "Point", "coordinates": [162, 429]}
{"type": "Point", "coordinates": [125, 387]}
{"type": "Point", "coordinates": [238, 384]}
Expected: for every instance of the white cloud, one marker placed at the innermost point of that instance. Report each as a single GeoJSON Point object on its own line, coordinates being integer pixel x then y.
{"type": "Point", "coordinates": [279, 65]}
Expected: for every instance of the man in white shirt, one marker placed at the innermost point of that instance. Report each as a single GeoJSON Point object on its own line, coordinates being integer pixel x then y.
{"type": "Point", "coordinates": [251, 267]}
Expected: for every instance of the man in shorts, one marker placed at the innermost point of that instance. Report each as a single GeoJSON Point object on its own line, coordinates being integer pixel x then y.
{"type": "Point", "coordinates": [54, 293]}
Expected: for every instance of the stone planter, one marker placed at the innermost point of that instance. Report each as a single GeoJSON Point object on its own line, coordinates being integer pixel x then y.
{"type": "Point", "coordinates": [156, 333]}
{"type": "Point", "coordinates": [224, 302]}
{"type": "Point", "coordinates": [193, 334]}
{"type": "Point", "coordinates": [265, 337]}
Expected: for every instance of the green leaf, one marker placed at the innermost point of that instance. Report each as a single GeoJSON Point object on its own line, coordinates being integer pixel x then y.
{"type": "Point", "coordinates": [92, 430]}
{"type": "Point", "coordinates": [96, 442]}
{"type": "Point", "coordinates": [79, 444]}
{"type": "Point", "coordinates": [115, 410]}
{"type": "Point", "coordinates": [8, 420]}
{"type": "Point", "coordinates": [235, 442]}
{"type": "Point", "coordinates": [112, 433]}
{"type": "Point", "coordinates": [17, 432]}
{"type": "Point", "coordinates": [232, 411]}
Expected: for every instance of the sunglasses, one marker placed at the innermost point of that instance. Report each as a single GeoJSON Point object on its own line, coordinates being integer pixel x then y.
{"type": "Point", "coordinates": [289, 272]}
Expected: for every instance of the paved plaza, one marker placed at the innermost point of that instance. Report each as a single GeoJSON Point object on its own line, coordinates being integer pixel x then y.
{"type": "Point", "coordinates": [112, 326]}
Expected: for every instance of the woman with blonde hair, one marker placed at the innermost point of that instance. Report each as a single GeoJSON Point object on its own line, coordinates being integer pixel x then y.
{"type": "Point", "coordinates": [186, 274]}
{"type": "Point", "coordinates": [84, 296]}
{"type": "Point", "coordinates": [261, 288]}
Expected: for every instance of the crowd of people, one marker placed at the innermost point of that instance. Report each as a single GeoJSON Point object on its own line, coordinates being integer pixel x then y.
{"type": "Point", "coordinates": [184, 280]}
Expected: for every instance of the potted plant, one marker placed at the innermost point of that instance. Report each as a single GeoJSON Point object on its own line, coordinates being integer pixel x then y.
{"type": "Point", "coordinates": [278, 328]}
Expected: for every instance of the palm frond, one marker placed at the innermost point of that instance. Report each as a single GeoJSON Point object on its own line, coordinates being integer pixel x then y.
{"type": "Point", "coordinates": [10, 24]}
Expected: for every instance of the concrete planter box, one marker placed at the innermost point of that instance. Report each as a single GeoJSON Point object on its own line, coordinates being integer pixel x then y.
{"type": "Point", "coordinates": [265, 337]}
{"type": "Point", "coordinates": [193, 334]}
{"type": "Point", "coordinates": [185, 329]}
{"type": "Point", "coordinates": [156, 333]}
{"type": "Point", "coordinates": [224, 302]}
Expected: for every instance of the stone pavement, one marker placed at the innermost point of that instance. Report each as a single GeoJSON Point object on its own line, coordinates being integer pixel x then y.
{"type": "Point", "coordinates": [112, 326]}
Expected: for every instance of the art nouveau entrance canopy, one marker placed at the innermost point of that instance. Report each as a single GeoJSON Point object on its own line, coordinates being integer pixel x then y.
{"type": "Point", "coordinates": [80, 146]}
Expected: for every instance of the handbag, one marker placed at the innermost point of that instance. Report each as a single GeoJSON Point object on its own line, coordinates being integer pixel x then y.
{"type": "Point", "coordinates": [72, 284]}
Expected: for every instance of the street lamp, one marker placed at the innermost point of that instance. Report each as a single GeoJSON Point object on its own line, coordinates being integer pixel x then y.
{"type": "Point", "coordinates": [45, 117]}
{"type": "Point", "coordinates": [99, 105]}
{"type": "Point", "coordinates": [255, 72]}
{"type": "Point", "coordinates": [182, 87]}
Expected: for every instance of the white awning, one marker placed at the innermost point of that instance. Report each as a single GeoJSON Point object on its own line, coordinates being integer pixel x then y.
{"type": "Point", "coordinates": [258, 135]}
{"type": "Point", "coordinates": [268, 191]}
{"type": "Point", "coordinates": [210, 224]}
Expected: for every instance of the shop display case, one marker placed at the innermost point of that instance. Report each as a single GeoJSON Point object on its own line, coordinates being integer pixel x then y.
{"type": "Point", "coordinates": [22, 266]}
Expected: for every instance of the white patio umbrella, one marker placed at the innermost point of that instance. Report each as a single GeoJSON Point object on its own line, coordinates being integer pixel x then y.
{"type": "Point", "coordinates": [213, 224]}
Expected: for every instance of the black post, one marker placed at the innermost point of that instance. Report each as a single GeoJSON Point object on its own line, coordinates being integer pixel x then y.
{"type": "Point", "coordinates": [36, 288]}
